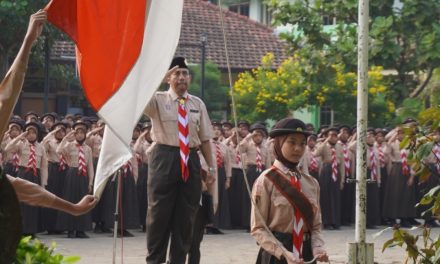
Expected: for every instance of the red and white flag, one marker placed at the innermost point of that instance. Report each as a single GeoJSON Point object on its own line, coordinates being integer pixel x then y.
{"type": "Point", "coordinates": [123, 50]}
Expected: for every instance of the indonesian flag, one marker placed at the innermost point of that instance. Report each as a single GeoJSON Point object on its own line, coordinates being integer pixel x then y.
{"type": "Point", "coordinates": [123, 50]}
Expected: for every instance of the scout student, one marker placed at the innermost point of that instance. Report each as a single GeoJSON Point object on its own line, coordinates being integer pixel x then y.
{"type": "Point", "coordinates": [288, 201]}
{"type": "Point", "coordinates": [79, 179]}
{"type": "Point", "coordinates": [32, 167]}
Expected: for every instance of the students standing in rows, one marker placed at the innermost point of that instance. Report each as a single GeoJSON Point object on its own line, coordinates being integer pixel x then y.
{"type": "Point", "coordinates": [331, 179]}
{"type": "Point", "coordinates": [143, 143]}
{"type": "Point", "coordinates": [311, 164]}
{"type": "Point", "coordinates": [11, 159]}
{"type": "Point", "coordinates": [33, 168]}
{"type": "Point", "coordinates": [57, 168]}
{"type": "Point", "coordinates": [79, 179]}
{"type": "Point", "coordinates": [222, 217]}
{"type": "Point", "coordinates": [384, 162]}
{"type": "Point", "coordinates": [237, 186]}
{"type": "Point", "coordinates": [256, 161]}
{"type": "Point", "coordinates": [399, 200]}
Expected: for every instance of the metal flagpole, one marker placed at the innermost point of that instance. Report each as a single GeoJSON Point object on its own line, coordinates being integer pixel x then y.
{"type": "Point", "coordinates": [115, 227]}
{"type": "Point", "coordinates": [360, 251]}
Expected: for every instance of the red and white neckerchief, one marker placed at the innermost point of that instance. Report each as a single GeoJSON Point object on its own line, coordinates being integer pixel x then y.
{"type": "Point", "coordinates": [404, 159]}
{"type": "Point", "coordinates": [334, 165]}
{"type": "Point", "coordinates": [437, 157]}
{"type": "Point", "coordinates": [381, 155]}
{"type": "Point", "coordinates": [238, 157]}
{"type": "Point", "coordinates": [127, 168]}
{"type": "Point", "coordinates": [82, 167]}
{"type": "Point", "coordinates": [346, 160]}
{"type": "Point", "coordinates": [62, 166]}
{"type": "Point", "coordinates": [138, 159]}
{"type": "Point", "coordinates": [32, 163]}
{"type": "Point", "coordinates": [313, 162]}
{"type": "Point", "coordinates": [15, 161]}
{"type": "Point", "coordinates": [373, 162]}
{"type": "Point", "coordinates": [218, 154]}
{"type": "Point", "coordinates": [183, 137]}
{"type": "Point", "coordinates": [258, 160]}
{"type": "Point", "coordinates": [298, 223]}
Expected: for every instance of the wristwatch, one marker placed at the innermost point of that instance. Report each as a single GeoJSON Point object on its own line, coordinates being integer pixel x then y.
{"type": "Point", "coordinates": [212, 169]}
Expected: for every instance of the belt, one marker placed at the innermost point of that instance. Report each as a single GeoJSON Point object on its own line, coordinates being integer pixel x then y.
{"type": "Point", "coordinates": [163, 146]}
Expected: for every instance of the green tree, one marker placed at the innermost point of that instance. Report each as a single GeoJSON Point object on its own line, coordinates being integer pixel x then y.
{"type": "Point", "coordinates": [215, 94]}
{"type": "Point", "coordinates": [268, 94]}
{"type": "Point", "coordinates": [404, 39]}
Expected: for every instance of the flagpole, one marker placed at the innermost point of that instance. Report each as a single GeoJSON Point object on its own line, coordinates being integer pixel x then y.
{"type": "Point", "coordinates": [360, 251]}
{"type": "Point", "coordinates": [115, 226]}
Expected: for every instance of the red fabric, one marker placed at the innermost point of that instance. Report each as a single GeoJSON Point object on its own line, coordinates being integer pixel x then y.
{"type": "Point", "coordinates": [334, 165]}
{"type": "Point", "coordinates": [238, 157]}
{"type": "Point", "coordinates": [346, 160]}
{"type": "Point", "coordinates": [127, 168]}
{"type": "Point", "coordinates": [32, 163]}
{"type": "Point", "coordinates": [218, 154]}
{"type": "Point", "coordinates": [381, 155]}
{"type": "Point", "coordinates": [313, 162]}
{"type": "Point", "coordinates": [82, 166]}
{"type": "Point", "coordinates": [15, 161]}
{"type": "Point", "coordinates": [259, 162]}
{"type": "Point", "coordinates": [404, 159]}
{"type": "Point", "coordinates": [373, 164]}
{"type": "Point", "coordinates": [183, 138]}
{"type": "Point", "coordinates": [108, 37]}
{"type": "Point", "coordinates": [63, 165]}
{"type": "Point", "coordinates": [298, 227]}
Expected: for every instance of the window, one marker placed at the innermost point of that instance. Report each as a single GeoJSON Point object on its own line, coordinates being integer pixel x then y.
{"type": "Point", "coordinates": [242, 9]}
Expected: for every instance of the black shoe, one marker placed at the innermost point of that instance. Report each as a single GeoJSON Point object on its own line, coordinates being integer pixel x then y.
{"type": "Point", "coordinates": [371, 227]}
{"type": "Point", "coordinates": [336, 227]}
{"type": "Point", "coordinates": [98, 228]}
{"type": "Point", "coordinates": [71, 234]}
{"type": "Point", "coordinates": [106, 230]}
{"type": "Point", "coordinates": [405, 223]}
{"type": "Point", "coordinates": [81, 234]}
{"type": "Point", "coordinates": [328, 227]}
{"type": "Point", "coordinates": [431, 224]}
{"type": "Point", "coordinates": [413, 221]}
{"type": "Point", "coordinates": [144, 228]}
{"type": "Point", "coordinates": [124, 233]}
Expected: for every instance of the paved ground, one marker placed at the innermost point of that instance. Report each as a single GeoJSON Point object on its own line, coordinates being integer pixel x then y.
{"type": "Point", "coordinates": [233, 247]}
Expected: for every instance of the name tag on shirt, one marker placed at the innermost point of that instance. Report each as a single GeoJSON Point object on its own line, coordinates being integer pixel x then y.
{"type": "Point", "coordinates": [193, 111]}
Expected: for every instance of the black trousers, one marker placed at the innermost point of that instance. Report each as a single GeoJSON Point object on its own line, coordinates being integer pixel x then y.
{"type": "Point", "coordinates": [172, 204]}
{"type": "Point", "coordinates": [286, 239]}
{"type": "Point", "coordinates": [203, 217]}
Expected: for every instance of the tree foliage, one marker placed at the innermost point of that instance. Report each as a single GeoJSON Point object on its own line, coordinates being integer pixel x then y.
{"type": "Point", "coordinates": [404, 38]}
{"type": "Point", "coordinates": [420, 140]}
{"type": "Point", "coordinates": [265, 93]}
{"type": "Point", "coordinates": [215, 94]}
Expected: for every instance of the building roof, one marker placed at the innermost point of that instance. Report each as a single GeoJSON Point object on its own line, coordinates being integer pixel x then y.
{"type": "Point", "coordinates": [247, 40]}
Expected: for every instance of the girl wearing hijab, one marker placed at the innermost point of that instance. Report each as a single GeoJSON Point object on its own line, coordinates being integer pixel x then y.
{"type": "Point", "coordinates": [288, 201]}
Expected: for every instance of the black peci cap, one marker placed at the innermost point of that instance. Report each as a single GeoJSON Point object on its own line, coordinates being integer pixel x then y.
{"type": "Point", "coordinates": [180, 62]}
{"type": "Point", "coordinates": [289, 126]}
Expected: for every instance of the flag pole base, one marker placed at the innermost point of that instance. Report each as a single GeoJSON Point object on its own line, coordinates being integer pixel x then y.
{"type": "Point", "coordinates": [360, 253]}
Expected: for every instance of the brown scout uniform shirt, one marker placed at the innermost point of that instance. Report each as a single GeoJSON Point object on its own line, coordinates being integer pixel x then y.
{"type": "Point", "coordinates": [250, 148]}
{"type": "Point", "coordinates": [163, 111]}
{"type": "Point", "coordinates": [23, 150]}
{"type": "Point", "coordinates": [323, 150]}
{"type": "Point", "coordinates": [226, 156]}
{"type": "Point", "coordinates": [279, 213]}
{"type": "Point", "coordinates": [71, 155]}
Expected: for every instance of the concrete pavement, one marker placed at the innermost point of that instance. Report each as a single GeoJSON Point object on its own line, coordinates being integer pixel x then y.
{"type": "Point", "coordinates": [235, 246]}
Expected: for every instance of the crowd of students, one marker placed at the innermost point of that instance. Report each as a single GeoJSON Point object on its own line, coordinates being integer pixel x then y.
{"type": "Point", "coordinates": [61, 154]}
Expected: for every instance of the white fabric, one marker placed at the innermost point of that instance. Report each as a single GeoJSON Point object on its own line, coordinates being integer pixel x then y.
{"type": "Point", "coordinates": [123, 110]}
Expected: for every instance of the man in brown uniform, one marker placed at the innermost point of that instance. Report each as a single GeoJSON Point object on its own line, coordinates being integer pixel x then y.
{"type": "Point", "coordinates": [180, 125]}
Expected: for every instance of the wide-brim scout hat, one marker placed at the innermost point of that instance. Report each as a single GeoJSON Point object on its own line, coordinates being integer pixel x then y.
{"type": "Point", "coordinates": [243, 123]}
{"type": "Point", "coordinates": [60, 123]}
{"type": "Point", "coordinates": [31, 113]}
{"type": "Point", "coordinates": [258, 126]}
{"type": "Point", "coordinates": [52, 115]}
{"type": "Point", "coordinates": [81, 124]}
{"type": "Point", "coordinates": [227, 124]}
{"type": "Point", "coordinates": [18, 122]}
{"type": "Point", "coordinates": [289, 126]}
{"type": "Point", "coordinates": [35, 125]}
